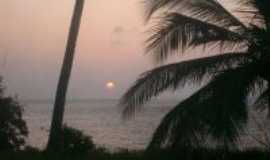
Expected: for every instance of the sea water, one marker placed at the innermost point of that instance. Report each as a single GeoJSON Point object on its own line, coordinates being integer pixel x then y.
{"type": "Point", "coordinates": [102, 120]}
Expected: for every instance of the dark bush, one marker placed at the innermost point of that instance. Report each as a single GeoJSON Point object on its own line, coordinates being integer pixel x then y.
{"type": "Point", "coordinates": [74, 142]}
{"type": "Point", "coordinates": [13, 129]}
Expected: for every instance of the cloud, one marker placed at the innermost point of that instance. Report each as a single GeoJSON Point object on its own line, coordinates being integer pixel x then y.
{"type": "Point", "coordinates": [118, 30]}
{"type": "Point", "coordinates": [121, 34]}
{"type": "Point", "coordinates": [118, 35]}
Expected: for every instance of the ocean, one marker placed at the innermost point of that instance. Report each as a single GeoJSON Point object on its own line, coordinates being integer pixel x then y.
{"type": "Point", "coordinates": [102, 120]}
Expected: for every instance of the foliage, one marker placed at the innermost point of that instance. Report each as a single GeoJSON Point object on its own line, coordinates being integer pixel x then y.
{"type": "Point", "coordinates": [202, 154]}
{"type": "Point", "coordinates": [236, 70]}
{"type": "Point", "coordinates": [73, 141]}
{"type": "Point", "coordinates": [13, 129]}
{"type": "Point", "coordinates": [262, 127]}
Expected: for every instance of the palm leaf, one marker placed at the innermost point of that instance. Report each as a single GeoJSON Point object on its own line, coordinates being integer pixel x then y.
{"type": "Point", "coordinates": [218, 109]}
{"type": "Point", "coordinates": [153, 6]}
{"type": "Point", "coordinates": [176, 31]}
{"type": "Point", "coordinates": [171, 76]}
{"type": "Point", "coordinates": [209, 10]}
{"type": "Point", "coordinates": [250, 13]}
{"type": "Point", "coordinates": [262, 103]}
{"type": "Point", "coordinates": [261, 9]}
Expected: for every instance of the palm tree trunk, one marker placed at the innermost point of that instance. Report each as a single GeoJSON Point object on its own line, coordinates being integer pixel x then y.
{"type": "Point", "coordinates": [59, 104]}
{"type": "Point", "coordinates": [268, 83]}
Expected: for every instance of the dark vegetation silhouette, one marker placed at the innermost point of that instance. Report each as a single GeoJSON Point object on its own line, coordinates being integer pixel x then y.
{"type": "Point", "coordinates": [13, 129]}
{"type": "Point", "coordinates": [237, 69]}
{"type": "Point", "coordinates": [261, 126]}
{"type": "Point", "coordinates": [102, 154]}
{"type": "Point", "coordinates": [74, 142]}
{"type": "Point", "coordinates": [59, 104]}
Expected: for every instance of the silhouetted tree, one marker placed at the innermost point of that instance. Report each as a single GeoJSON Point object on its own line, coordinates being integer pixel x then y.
{"type": "Point", "coordinates": [59, 105]}
{"type": "Point", "coordinates": [218, 110]}
{"type": "Point", "coordinates": [13, 129]}
{"type": "Point", "coordinates": [74, 142]}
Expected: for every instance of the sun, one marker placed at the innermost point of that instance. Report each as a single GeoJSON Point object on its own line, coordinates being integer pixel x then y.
{"type": "Point", "coordinates": [110, 85]}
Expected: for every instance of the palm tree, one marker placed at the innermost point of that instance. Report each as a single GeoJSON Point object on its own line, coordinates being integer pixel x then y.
{"type": "Point", "coordinates": [59, 105]}
{"type": "Point", "coordinates": [219, 109]}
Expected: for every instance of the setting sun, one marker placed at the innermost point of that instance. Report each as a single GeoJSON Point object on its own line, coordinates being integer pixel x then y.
{"type": "Point", "coordinates": [110, 85]}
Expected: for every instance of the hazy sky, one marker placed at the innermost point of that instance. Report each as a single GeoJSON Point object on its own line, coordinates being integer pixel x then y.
{"type": "Point", "coordinates": [110, 47]}
{"type": "Point", "coordinates": [33, 38]}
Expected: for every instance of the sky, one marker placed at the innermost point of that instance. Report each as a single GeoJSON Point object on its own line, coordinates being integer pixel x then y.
{"type": "Point", "coordinates": [110, 47]}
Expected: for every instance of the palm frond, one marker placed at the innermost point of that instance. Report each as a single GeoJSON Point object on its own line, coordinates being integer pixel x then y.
{"type": "Point", "coordinates": [171, 76]}
{"type": "Point", "coordinates": [176, 31]}
{"type": "Point", "coordinates": [153, 6]}
{"type": "Point", "coordinates": [250, 13]}
{"type": "Point", "coordinates": [217, 110]}
{"type": "Point", "coordinates": [262, 103]}
{"type": "Point", "coordinates": [261, 11]}
{"type": "Point", "coordinates": [209, 10]}
{"type": "Point", "coordinates": [213, 11]}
